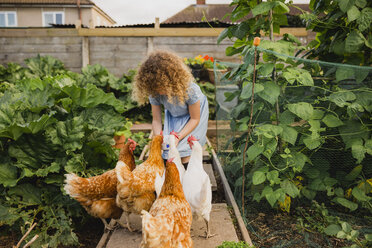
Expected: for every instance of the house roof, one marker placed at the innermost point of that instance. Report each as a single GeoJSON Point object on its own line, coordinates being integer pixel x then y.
{"type": "Point", "coordinates": [83, 2]}
{"type": "Point", "coordinates": [195, 13]}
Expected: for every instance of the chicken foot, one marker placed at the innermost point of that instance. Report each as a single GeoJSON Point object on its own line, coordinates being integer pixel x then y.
{"type": "Point", "coordinates": [128, 224]}
{"type": "Point", "coordinates": [107, 226]}
{"type": "Point", "coordinates": [208, 232]}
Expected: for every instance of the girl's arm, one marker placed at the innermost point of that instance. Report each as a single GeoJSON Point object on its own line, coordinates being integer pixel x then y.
{"type": "Point", "coordinates": [194, 111]}
{"type": "Point", "coordinates": [156, 119]}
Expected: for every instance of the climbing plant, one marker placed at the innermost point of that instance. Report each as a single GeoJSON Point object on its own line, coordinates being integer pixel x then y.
{"type": "Point", "coordinates": [311, 126]}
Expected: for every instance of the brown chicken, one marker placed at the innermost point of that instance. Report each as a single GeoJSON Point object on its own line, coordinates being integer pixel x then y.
{"type": "Point", "coordinates": [136, 190]}
{"type": "Point", "coordinates": [169, 222]}
{"type": "Point", "coordinates": [98, 194]}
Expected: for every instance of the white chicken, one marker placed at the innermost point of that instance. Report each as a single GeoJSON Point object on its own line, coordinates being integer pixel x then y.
{"type": "Point", "coordinates": [197, 185]}
{"type": "Point", "coordinates": [173, 153]}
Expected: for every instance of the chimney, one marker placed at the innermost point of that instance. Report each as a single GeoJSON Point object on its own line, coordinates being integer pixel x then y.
{"type": "Point", "coordinates": [200, 2]}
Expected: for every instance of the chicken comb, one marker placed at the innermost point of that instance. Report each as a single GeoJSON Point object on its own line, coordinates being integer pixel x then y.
{"type": "Point", "coordinates": [170, 160]}
{"type": "Point", "coordinates": [175, 134]}
{"type": "Point", "coordinates": [133, 142]}
{"type": "Point", "coordinates": [191, 138]}
{"type": "Point", "coordinates": [161, 132]}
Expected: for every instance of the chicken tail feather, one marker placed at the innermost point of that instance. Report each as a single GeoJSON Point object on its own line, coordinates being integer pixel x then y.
{"type": "Point", "coordinates": [71, 185]}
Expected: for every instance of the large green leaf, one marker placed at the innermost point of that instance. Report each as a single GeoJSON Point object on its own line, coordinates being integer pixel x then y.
{"type": "Point", "coordinates": [332, 121]}
{"type": "Point", "coordinates": [303, 110]}
{"type": "Point", "coordinates": [289, 134]}
{"type": "Point", "coordinates": [92, 96]}
{"type": "Point", "coordinates": [344, 73]}
{"type": "Point", "coordinates": [262, 8]}
{"type": "Point", "coordinates": [289, 188]}
{"type": "Point", "coordinates": [358, 150]}
{"type": "Point", "coordinates": [346, 203]}
{"type": "Point", "coordinates": [68, 134]}
{"type": "Point", "coordinates": [266, 69]}
{"type": "Point", "coordinates": [365, 19]}
{"type": "Point", "coordinates": [270, 93]}
{"type": "Point", "coordinates": [351, 131]}
{"type": "Point", "coordinates": [299, 160]}
{"type": "Point", "coordinates": [354, 173]}
{"type": "Point", "coordinates": [354, 42]}
{"type": "Point", "coordinates": [353, 13]}
{"type": "Point", "coordinates": [33, 151]}
{"type": "Point", "coordinates": [342, 98]}
{"type": "Point", "coordinates": [42, 66]}
{"type": "Point", "coordinates": [254, 150]}
{"type": "Point", "coordinates": [286, 117]}
{"type": "Point", "coordinates": [28, 193]}
{"type": "Point", "coordinates": [247, 90]}
{"type": "Point", "coordinates": [8, 216]}
{"type": "Point", "coordinates": [222, 35]}
{"type": "Point", "coordinates": [300, 75]}
{"type": "Point", "coordinates": [365, 100]}
{"type": "Point", "coordinates": [332, 229]}
{"type": "Point", "coordinates": [273, 176]}
{"type": "Point", "coordinates": [280, 8]}
{"type": "Point", "coordinates": [361, 3]}
{"type": "Point", "coordinates": [345, 5]}
{"type": "Point", "coordinates": [8, 173]}
{"type": "Point", "coordinates": [258, 177]}
{"type": "Point", "coordinates": [360, 195]}
{"type": "Point", "coordinates": [311, 142]}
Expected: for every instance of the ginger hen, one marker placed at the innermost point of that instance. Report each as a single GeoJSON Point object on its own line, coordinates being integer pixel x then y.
{"type": "Point", "coordinates": [98, 194]}
{"type": "Point", "coordinates": [169, 222]}
{"type": "Point", "coordinates": [173, 153]}
{"type": "Point", "coordinates": [136, 189]}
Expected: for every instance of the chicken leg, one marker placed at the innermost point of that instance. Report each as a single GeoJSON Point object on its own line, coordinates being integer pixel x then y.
{"type": "Point", "coordinates": [107, 226]}
{"type": "Point", "coordinates": [128, 224]}
{"type": "Point", "coordinates": [208, 232]}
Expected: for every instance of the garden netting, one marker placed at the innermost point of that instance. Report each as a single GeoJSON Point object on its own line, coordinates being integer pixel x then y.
{"type": "Point", "coordinates": [321, 110]}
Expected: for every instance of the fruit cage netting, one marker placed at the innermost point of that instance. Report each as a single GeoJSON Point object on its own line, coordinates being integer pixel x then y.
{"type": "Point", "coordinates": [322, 110]}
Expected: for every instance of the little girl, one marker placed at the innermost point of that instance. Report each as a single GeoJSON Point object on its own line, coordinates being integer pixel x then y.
{"type": "Point", "coordinates": [164, 79]}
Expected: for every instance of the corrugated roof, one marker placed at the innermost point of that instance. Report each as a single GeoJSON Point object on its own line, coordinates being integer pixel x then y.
{"type": "Point", "coordinates": [175, 25]}
{"type": "Point", "coordinates": [195, 13]}
{"type": "Point", "coordinates": [82, 2]}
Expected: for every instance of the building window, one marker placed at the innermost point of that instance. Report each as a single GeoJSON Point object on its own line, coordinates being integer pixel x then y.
{"type": "Point", "coordinates": [8, 19]}
{"type": "Point", "coordinates": [50, 18]}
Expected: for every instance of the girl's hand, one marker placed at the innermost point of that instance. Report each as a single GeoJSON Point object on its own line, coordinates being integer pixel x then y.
{"type": "Point", "coordinates": [177, 137]}
{"type": "Point", "coordinates": [177, 141]}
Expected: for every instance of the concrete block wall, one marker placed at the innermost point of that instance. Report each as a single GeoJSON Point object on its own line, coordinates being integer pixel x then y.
{"type": "Point", "coordinates": [115, 51]}
{"type": "Point", "coordinates": [17, 49]}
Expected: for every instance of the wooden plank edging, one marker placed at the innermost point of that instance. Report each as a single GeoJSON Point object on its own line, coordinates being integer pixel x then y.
{"type": "Point", "coordinates": [229, 196]}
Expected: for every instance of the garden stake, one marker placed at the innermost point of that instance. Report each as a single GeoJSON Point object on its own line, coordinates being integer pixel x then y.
{"type": "Point", "coordinates": [256, 43]}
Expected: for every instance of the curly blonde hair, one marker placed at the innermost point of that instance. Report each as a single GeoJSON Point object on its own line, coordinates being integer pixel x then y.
{"type": "Point", "coordinates": [163, 72]}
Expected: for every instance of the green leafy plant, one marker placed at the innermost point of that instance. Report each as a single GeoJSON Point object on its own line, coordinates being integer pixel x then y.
{"type": "Point", "coordinates": [52, 122]}
{"type": "Point", "coordinates": [343, 31]}
{"type": "Point", "coordinates": [318, 218]}
{"type": "Point", "coordinates": [232, 244]}
{"type": "Point", "coordinates": [302, 128]}
{"type": "Point", "coordinates": [121, 87]}
{"type": "Point", "coordinates": [195, 63]}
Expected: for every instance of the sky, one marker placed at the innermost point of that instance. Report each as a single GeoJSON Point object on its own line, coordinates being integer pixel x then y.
{"type": "Point", "coordinates": [144, 11]}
